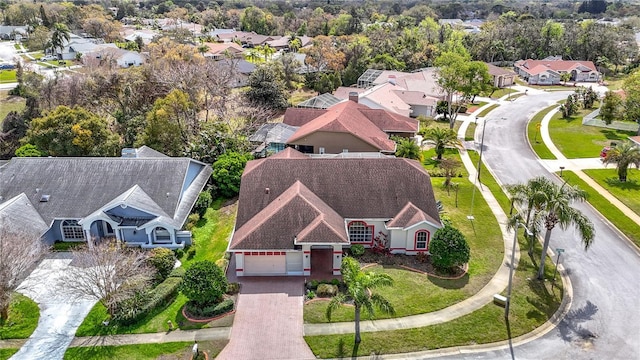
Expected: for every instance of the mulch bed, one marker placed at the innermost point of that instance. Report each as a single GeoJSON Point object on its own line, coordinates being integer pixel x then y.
{"type": "Point", "coordinates": [411, 262]}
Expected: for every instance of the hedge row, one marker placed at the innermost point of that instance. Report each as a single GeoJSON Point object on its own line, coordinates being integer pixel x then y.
{"type": "Point", "coordinates": [210, 311]}
{"type": "Point", "coordinates": [132, 310]}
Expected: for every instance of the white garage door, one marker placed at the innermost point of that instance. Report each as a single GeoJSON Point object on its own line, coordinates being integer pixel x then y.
{"type": "Point", "coordinates": [294, 263]}
{"type": "Point", "coordinates": [265, 265]}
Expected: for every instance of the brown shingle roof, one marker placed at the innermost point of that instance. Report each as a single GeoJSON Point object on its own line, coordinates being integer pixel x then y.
{"type": "Point", "coordinates": [301, 116]}
{"type": "Point", "coordinates": [354, 188]}
{"type": "Point", "coordinates": [390, 122]}
{"type": "Point", "coordinates": [296, 212]}
{"type": "Point", "coordinates": [497, 71]}
{"type": "Point", "coordinates": [410, 215]}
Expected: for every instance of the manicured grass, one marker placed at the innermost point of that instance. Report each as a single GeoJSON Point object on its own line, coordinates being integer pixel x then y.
{"type": "Point", "coordinates": [10, 103]}
{"type": "Point", "coordinates": [487, 179]}
{"type": "Point", "coordinates": [533, 302]}
{"type": "Point", "coordinates": [7, 76]}
{"type": "Point", "coordinates": [66, 246]}
{"type": "Point", "coordinates": [533, 133]}
{"type": "Point", "coordinates": [627, 192]}
{"type": "Point", "coordinates": [210, 236]}
{"type": "Point", "coordinates": [175, 350]}
{"type": "Point", "coordinates": [608, 210]}
{"type": "Point", "coordinates": [7, 353]}
{"type": "Point", "coordinates": [17, 46]}
{"type": "Point", "coordinates": [470, 133]}
{"type": "Point", "coordinates": [577, 141]}
{"type": "Point", "coordinates": [487, 110]}
{"type": "Point", "coordinates": [502, 92]}
{"type": "Point", "coordinates": [416, 293]}
{"type": "Point", "coordinates": [23, 318]}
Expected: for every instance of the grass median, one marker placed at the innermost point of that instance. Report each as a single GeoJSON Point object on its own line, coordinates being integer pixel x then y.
{"type": "Point", "coordinates": [174, 350]}
{"type": "Point", "coordinates": [533, 134]}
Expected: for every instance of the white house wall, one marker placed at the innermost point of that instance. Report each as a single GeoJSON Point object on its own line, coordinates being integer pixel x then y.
{"type": "Point", "coordinates": [403, 241]}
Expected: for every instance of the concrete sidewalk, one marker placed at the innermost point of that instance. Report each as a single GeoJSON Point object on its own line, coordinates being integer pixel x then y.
{"type": "Point", "coordinates": [577, 165]}
{"type": "Point", "coordinates": [172, 336]}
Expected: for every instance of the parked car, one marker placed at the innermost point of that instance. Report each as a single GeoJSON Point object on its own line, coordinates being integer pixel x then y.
{"type": "Point", "coordinates": [49, 58]}
{"type": "Point", "coordinates": [7, 66]}
{"type": "Point", "coordinates": [604, 151]}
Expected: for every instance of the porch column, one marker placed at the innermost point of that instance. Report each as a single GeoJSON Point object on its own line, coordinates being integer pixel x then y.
{"type": "Point", "coordinates": [149, 232]}
{"type": "Point", "coordinates": [306, 260]}
{"type": "Point", "coordinates": [239, 264]}
{"type": "Point", "coordinates": [87, 235]}
{"type": "Point", "coordinates": [337, 259]}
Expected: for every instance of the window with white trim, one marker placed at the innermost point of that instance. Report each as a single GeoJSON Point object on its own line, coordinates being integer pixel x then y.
{"type": "Point", "coordinates": [360, 232]}
{"type": "Point", "coordinates": [422, 240]}
{"type": "Point", "coordinates": [71, 230]}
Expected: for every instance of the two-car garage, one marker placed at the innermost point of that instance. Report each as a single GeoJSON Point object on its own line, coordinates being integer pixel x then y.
{"type": "Point", "coordinates": [261, 263]}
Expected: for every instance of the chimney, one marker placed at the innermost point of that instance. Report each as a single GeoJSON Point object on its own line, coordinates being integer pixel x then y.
{"type": "Point", "coordinates": [392, 79]}
{"type": "Point", "coordinates": [353, 96]}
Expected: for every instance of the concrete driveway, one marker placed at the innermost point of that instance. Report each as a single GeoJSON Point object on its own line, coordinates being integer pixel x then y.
{"type": "Point", "coordinates": [268, 322]}
{"type": "Point", "coordinates": [60, 313]}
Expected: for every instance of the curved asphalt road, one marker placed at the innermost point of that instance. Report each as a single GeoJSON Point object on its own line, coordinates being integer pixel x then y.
{"type": "Point", "coordinates": [604, 319]}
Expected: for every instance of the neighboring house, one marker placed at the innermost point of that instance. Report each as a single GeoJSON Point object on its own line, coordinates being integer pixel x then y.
{"type": "Point", "coordinates": [283, 42]}
{"type": "Point", "coordinates": [247, 39]}
{"type": "Point", "coordinates": [142, 198]}
{"type": "Point", "coordinates": [322, 101]}
{"type": "Point", "coordinates": [147, 35]}
{"type": "Point", "coordinates": [241, 68]}
{"type": "Point", "coordinates": [347, 127]}
{"type": "Point", "coordinates": [218, 51]}
{"type": "Point", "coordinates": [115, 56]}
{"type": "Point", "coordinates": [635, 140]}
{"type": "Point", "coordinates": [501, 77]}
{"type": "Point", "coordinates": [297, 214]}
{"type": "Point", "coordinates": [550, 70]}
{"type": "Point", "coordinates": [77, 46]}
{"type": "Point", "coordinates": [407, 94]}
{"type": "Point", "coordinates": [271, 138]}
{"type": "Point", "coordinates": [13, 32]}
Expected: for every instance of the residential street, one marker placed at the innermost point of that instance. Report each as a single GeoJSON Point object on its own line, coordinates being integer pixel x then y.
{"type": "Point", "coordinates": [604, 319]}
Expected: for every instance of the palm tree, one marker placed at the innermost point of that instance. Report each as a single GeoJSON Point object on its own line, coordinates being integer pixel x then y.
{"type": "Point", "coordinates": [359, 285]}
{"type": "Point", "coordinates": [59, 36]}
{"type": "Point", "coordinates": [442, 138]}
{"type": "Point", "coordinates": [531, 196]}
{"type": "Point", "coordinates": [556, 209]}
{"type": "Point", "coordinates": [408, 148]}
{"type": "Point", "coordinates": [623, 155]}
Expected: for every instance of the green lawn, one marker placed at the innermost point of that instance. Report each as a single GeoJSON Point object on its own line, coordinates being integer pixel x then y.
{"type": "Point", "coordinates": [502, 92]}
{"type": "Point", "coordinates": [533, 133]}
{"type": "Point", "coordinates": [611, 212]}
{"type": "Point", "coordinates": [488, 180]}
{"type": "Point", "coordinates": [210, 238]}
{"type": "Point", "coordinates": [533, 302]}
{"type": "Point", "coordinates": [470, 133]}
{"type": "Point", "coordinates": [175, 350]}
{"type": "Point", "coordinates": [483, 236]}
{"type": "Point", "coordinates": [7, 76]}
{"type": "Point", "coordinates": [487, 110]}
{"type": "Point", "coordinates": [627, 192]}
{"type": "Point", "coordinates": [10, 103]}
{"type": "Point", "coordinates": [23, 318]}
{"type": "Point", "coordinates": [17, 46]}
{"type": "Point", "coordinates": [577, 141]}
{"type": "Point", "coordinates": [7, 353]}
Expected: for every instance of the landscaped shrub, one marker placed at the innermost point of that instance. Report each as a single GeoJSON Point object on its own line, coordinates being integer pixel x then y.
{"type": "Point", "coordinates": [233, 288]}
{"type": "Point", "coordinates": [178, 272]}
{"type": "Point", "coordinates": [204, 283]}
{"type": "Point", "coordinates": [357, 250]}
{"type": "Point", "coordinates": [192, 220]}
{"type": "Point", "coordinates": [312, 285]}
{"type": "Point", "coordinates": [327, 290]}
{"type": "Point", "coordinates": [136, 307]}
{"type": "Point", "coordinates": [191, 252]}
{"type": "Point", "coordinates": [335, 282]}
{"type": "Point", "coordinates": [311, 295]}
{"type": "Point", "coordinates": [211, 310]}
{"type": "Point", "coordinates": [422, 257]}
{"type": "Point", "coordinates": [203, 202]}
{"type": "Point", "coordinates": [163, 260]}
{"type": "Point", "coordinates": [449, 248]}
{"type": "Point", "coordinates": [222, 264]}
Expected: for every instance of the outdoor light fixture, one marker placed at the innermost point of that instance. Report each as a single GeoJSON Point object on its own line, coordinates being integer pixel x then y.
{"type": "Point", "coordinates": [561, 168]}
{"type": "Point", "coordinates": [511, 266]}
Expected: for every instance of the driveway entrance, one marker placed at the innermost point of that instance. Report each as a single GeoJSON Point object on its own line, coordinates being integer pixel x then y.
{"type": "Point", "coordinates": [268, 321]}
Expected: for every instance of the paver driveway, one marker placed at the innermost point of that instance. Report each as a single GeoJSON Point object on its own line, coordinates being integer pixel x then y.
{"type": "Point", "coordinates": [268, 321]}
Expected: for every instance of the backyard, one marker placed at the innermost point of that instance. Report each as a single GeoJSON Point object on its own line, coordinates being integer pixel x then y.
{"type": "Point", "coordinates": [10, 103]}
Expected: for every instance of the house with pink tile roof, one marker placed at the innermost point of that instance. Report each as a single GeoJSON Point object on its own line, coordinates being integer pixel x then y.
{"type": "Point", "coordinates": [549, 71]}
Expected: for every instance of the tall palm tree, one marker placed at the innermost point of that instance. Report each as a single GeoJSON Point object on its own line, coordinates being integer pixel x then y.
{"type": "Point", "coordinates": [408, 148]}
{"type": "Point", "coordinates": [442, 138]}
{"type": "Point", "coordinates": [59, 36]}
{"type": "Point", "coordinates": [359, 285]}
{"type": "Point", "coordinates": [531, 196]}
{"type": "Point", "coordinates": [623, 154]}
{"type": "Point", "coordinates": [557, 210]}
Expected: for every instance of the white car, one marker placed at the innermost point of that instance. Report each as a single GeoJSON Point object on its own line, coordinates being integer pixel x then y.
{"type": "Point", "coordinates": [49, 58]}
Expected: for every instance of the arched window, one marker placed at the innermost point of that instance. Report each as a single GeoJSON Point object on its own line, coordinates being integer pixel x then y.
{"type": "Point", "coordinates": [71, 230]}
{"type": "Point", "coordinates": [162, 235]}
{"type": "Point", "coordinates": [422, 240]}
{"type": "Point", "coordinates": [360, 232]}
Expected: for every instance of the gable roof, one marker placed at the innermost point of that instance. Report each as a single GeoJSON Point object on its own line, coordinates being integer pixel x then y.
{"type": "Point", "coordinates": [498, 71]}
{"type": "Point", "coordinates": [346, 118]}
{"type": "Point", "coordinates": [297, 215]}
{"type": "Point", "coordinates": [78, 187]}
{"type": "Point", "coordinates": [410, 215]}
{"type": "Point", "coordinates": [18, 215]}
{"type": "Point", "coordinates": [301, 116]}
{"type": "Point", "coordinates": [355, 188]}
{"type": "Point", "coordinates": [219, 48]}
{"type": "Point", "coordinates": [534, 67]}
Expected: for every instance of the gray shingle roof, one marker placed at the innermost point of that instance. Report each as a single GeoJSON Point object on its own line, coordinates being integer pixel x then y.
{"type": "Point", "coordinates": [18, 215]}
{"type": "Point", "coordinates": [80, 186]}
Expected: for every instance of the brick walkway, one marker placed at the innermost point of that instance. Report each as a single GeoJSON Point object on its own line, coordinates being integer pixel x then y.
{"type": "Point", "coordinates": [268, 321]}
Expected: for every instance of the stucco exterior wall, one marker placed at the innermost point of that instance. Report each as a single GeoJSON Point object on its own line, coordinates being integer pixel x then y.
{"type": "Point", "coordinates": [334, 143]}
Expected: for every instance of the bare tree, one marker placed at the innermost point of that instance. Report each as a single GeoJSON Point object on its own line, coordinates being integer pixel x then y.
{"type": "Point", "coordinates": [20, 252]}
{"type": "Point", "coordinates": [105, 270]}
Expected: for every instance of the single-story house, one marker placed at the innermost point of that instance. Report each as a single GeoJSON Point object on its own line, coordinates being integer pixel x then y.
{"type": "Point", "coordinates": [549, 70]}
{"type": "Point", "coordinates": [219, 51]}
{"type": "Point", "coordinates": [271, 138]}
{"type": "Point", "coordinates": [13, 32]}
{"type": "Point", "coordinates": [501, 77]}
{"type": "Point", "coordinates": [241, 68]}
{"type": "Point", "coordinates": [297, 214]}
{"type": "Point", "coordinates": [142, 198]}
{"type": "Point", "coordinates": [115, 56]}
{"type": "Point", "coordinates": [347, 127]}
